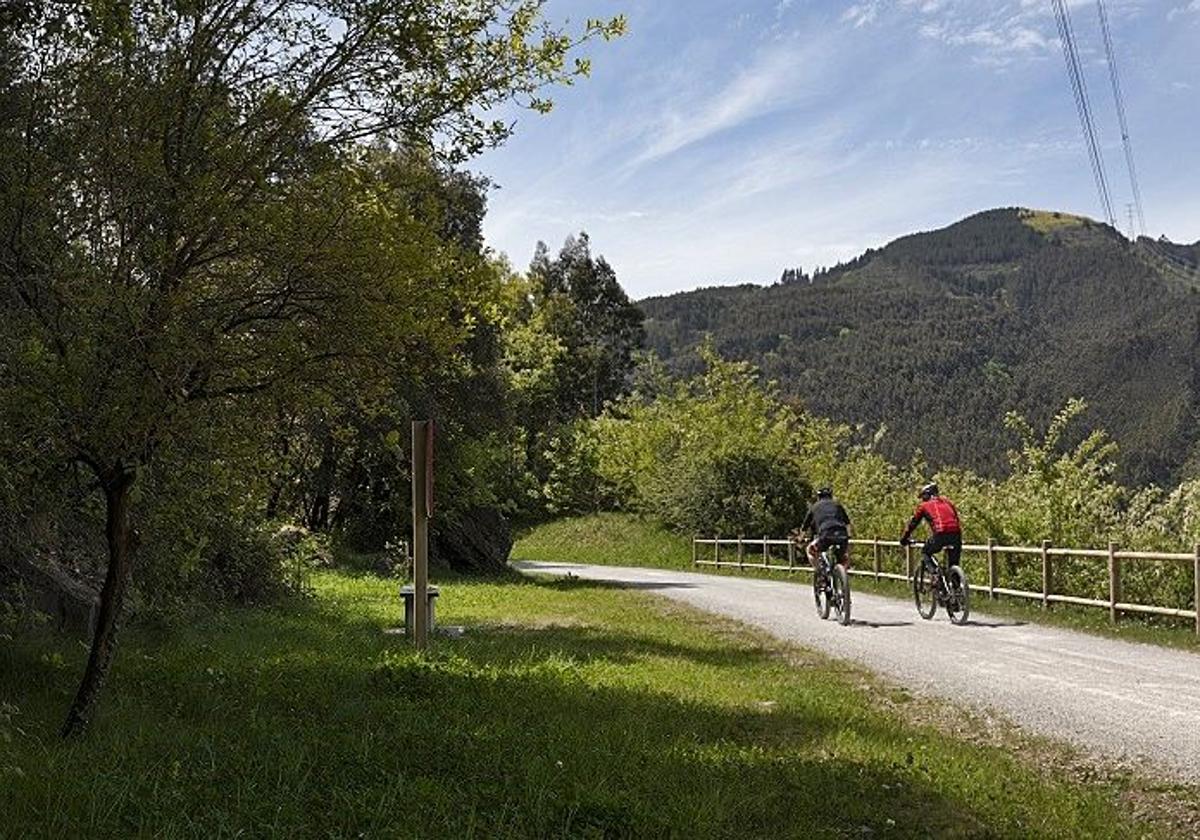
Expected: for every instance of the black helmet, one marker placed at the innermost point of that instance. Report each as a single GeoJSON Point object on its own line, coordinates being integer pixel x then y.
{"type": "Point", "coordinates": [929, 491]}
{"type": "Point", "coordinates": [825, 492]}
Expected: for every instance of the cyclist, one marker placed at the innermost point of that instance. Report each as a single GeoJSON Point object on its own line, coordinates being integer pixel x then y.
{"type": "Point", "coordinates": [828, 526]}
{"type": "Point", "coordinates": [946, 528]}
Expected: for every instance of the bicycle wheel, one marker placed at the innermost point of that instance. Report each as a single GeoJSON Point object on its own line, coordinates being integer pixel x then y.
{"type": "Point", "coordinates": [923, 592]}
{"type": "Point", "coordinates": [821, 590]}
{"type": "Point", "coordinates": [841, 594]}
{"type": "Point", "coordinates": [958, 599]}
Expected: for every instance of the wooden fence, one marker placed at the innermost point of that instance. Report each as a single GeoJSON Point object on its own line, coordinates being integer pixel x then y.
{"type": "Point", "coordinates": [763, 559]}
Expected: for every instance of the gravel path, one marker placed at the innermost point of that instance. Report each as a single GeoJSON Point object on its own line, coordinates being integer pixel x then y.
{"type": "Point", "coordinates": [1117, 699]}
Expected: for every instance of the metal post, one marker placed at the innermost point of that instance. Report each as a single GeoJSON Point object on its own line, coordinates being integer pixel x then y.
{"type": "Point", "coordinates": [420, 526]}
{"type": "Point", "coordinates": [1114, 582]}
{"type": "Point", "coordinates": [875, 556]}
{"type": "Point", "coordinates": [765, 558]}
{"type": "Point", "coordinates": [791, 554]}
{"type": "Point", "coordinates": [991, 568]}
{"type": "Point", "coordinates": [1045, 574]}
{"type": "Point", "coordinates": [741, 554]}
{"type": "Point", "coordinates": [1196, 586]}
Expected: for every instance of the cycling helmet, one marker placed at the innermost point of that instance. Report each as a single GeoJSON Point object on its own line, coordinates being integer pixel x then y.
{"type": "Point", "coordinates": [825, 492]}
{"type": "Point", "coordinates": [929, 491]}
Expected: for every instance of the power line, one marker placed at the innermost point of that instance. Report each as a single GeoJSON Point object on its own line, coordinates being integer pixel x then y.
{"type": "Point", "coordinates": [1079, 89]}
{"type": "Point", "coordinates": [1120, 100]}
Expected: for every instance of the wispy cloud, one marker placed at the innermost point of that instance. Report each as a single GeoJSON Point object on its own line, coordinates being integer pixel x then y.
{"type": "Point", "coordinates": [774, 81]}
{"type": "Point", "coordinates": [1191, 8]}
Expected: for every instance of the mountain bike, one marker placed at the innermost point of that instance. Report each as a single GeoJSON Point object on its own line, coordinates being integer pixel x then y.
{"type": "Point", "coordinates": [831, 586]}
{"type": "Point", "coordinates": [933, 586]}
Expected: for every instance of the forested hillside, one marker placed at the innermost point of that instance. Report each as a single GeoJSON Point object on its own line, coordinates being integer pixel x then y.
{"type": "Point", "coordinates": [936, 335]}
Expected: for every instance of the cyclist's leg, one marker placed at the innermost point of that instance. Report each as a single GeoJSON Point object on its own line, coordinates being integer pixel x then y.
{"type": "Point", "coordinates": [841, 545]}
{"type": "Point", "coordinates": [931, 548]}
{"type": "Point", "coordinates": [953, 544]}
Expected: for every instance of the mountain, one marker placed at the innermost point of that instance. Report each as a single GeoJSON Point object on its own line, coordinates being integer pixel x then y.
{"type": "Point", "coordinates": [938, 334]}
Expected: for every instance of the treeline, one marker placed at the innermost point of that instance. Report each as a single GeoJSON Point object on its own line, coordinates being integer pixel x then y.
{"type": "Point", "coordinates": [238, 254]}
{"type": "Point", "coordinates": [721, 452]}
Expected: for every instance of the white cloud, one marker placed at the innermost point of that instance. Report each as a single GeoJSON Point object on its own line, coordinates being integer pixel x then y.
{"type": "Point", "coordinates": [772, 82]}
{"type": "Point", "coordinates": [861, 14]}
{"type": "Point", "coordinates": [1190, 8]}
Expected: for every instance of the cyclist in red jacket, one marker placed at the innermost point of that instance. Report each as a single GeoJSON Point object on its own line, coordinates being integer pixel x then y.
{"type": "Point", "coordinates": [943, 521]}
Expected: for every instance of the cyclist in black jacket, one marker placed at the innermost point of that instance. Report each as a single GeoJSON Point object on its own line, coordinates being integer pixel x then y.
{"type": "Point", "coordinates": [828, 526]}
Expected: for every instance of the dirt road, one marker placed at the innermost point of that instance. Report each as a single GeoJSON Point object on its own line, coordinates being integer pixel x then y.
{"type": "Point", "coordinates": [1118, 699]}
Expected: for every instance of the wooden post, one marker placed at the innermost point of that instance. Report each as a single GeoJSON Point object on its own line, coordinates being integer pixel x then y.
{"type": "Point", "coordinates": [1114, 582]}
{"type": "Point", "coordinates": [421, 454]}
{"type": "Point", "coordinates": [695, 551]}
{"type": "Point", "coordinates": [741, 553]}
{"type": "Point", "coordinates": [717, 550]}
{"type": "Point", "coordinates": [1045, 574]}
{"type": "Point", "coordinates": [1196, 585]}
{"type": "Point", "coordinates": [875, 556]}
{"type": "Point", "coordinates": [791, 554]}
{"type": "Point", "coordinates": [765, 558]}
{"type": "Point", "coordinates": [908, 566]}
{"type": "Point", "coordinates": [991, 568]}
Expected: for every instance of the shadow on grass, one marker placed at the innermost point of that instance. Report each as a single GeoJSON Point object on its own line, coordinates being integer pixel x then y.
{"type": "Point", "coordinates": [311, 722]}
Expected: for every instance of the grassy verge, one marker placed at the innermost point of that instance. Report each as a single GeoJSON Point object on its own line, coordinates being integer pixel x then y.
{"type": "Point", "coordinates": [567, 709]}
{"type": "Point", "coordinates": [626, 540]}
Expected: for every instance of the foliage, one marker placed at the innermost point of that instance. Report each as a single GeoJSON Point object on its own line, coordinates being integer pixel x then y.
{"type": "Point", "coordinates": [937, 334]}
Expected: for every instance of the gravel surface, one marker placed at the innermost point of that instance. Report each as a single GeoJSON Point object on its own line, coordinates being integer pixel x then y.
{"type": "Point", "coordinates": [1122, 700]}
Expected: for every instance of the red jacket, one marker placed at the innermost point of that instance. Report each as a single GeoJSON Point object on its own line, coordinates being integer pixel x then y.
{"type": "Point", "coordinates": [941, 515]}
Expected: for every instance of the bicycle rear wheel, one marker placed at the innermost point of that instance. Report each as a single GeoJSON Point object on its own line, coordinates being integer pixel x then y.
{"type": "Point", "coordinates": [958, 598]}
{"type": "Point", "coordinates": [821, 590]}
{"type": "Point", "coordinates": [923, 592]}
{"type": "Point", "coordinates": [841, 594]}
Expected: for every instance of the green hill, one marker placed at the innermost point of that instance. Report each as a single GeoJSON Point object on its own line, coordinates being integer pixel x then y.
{"type": "Point", "coordinates": [938, 334]}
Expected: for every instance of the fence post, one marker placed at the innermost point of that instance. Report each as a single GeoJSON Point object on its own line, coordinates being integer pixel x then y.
{"type": "Point", "coordinates": [1196, 586]}
{"type": "Point", "coordinates": [1045, 574]}
{"type": "Point", "coordinates": [875, 556]}
{"type": "Point", "coordinates": [908, 570]}
{"type": "Point", "coordinates": [741, 553]}
{"type": "Point", "coordinates": [1114, 582]}
{"type": "Point", "coordinates": [791, 554]}
{"type": "Point", "coordinates": [695, 551]}
{"type": "Point", "coordinates": [992, 568]}
{"type": "Point", "coordinates": [765, 563]}
{"type": "Point", "coordinates": [717, 551]}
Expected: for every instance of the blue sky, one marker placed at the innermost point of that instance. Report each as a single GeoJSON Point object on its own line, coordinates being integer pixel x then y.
{"type": "Point", "coordinates": [721, 141]}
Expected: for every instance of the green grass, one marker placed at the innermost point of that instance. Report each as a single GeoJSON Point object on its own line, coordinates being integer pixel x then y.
{"type": "Point", "coordinates": [1046, 222]}
{"type": "Point", "coordinates": [567, 709]}
{"type": "Point", "coordinates": [627, 540]}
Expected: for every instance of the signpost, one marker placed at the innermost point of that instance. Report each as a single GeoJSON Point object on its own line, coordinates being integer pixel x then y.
{"type": "Point", "coordinates": [422, 505]}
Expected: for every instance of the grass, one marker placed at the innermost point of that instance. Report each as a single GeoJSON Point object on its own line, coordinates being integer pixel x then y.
{"type": "Point", "coordinates": [567, 709]}
{"type": "Point", "coordinates": [1046, 222]}
{"type": "Point", "coordinates": [624, 539]}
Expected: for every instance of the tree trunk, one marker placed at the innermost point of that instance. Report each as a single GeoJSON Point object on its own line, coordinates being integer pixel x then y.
{"type": "Point", "coordinates": [117, 484]}
{"type": "Point", "coordinates": [318, 514]}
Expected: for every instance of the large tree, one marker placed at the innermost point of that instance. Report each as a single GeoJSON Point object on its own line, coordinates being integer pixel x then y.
{"type": "Point", "coordinates": [186, 220]}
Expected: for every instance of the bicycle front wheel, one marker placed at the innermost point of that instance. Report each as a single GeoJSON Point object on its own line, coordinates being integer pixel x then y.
{"type": "Point", "coordinates": [841, 594]}
{"type": "Point", "coordinates": [958, 598]}
{"type": "Point", "coordinates": [923, 592]}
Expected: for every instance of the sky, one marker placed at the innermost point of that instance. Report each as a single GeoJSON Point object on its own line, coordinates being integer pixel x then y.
{"type": "Point", "coordinates": [721, 141]}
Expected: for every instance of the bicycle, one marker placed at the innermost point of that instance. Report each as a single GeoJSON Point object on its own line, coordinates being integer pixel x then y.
{"type": "Point", "coordinates": [831, 588]}
{"type": "Point", "coordinates": [931, 587]}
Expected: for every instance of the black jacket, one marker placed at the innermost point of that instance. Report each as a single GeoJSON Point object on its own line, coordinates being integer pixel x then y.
{"type": "Point", "coordinates": [827, 518]}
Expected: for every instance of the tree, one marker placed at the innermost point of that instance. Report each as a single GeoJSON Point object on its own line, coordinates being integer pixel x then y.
{"type": "Point", "coordinates": [188, 223]}
{"type": "Point", "coordinates": [598, 325]}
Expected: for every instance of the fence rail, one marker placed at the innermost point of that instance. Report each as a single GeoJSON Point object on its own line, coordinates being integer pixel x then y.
{"type": "Point", "coordinates": [762, 558]}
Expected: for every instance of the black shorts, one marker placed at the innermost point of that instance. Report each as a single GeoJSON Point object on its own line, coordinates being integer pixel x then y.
{"type": "Point", "coordinates": [951, 542]}
{"type": "Point", "coordinates": [839, 542]}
